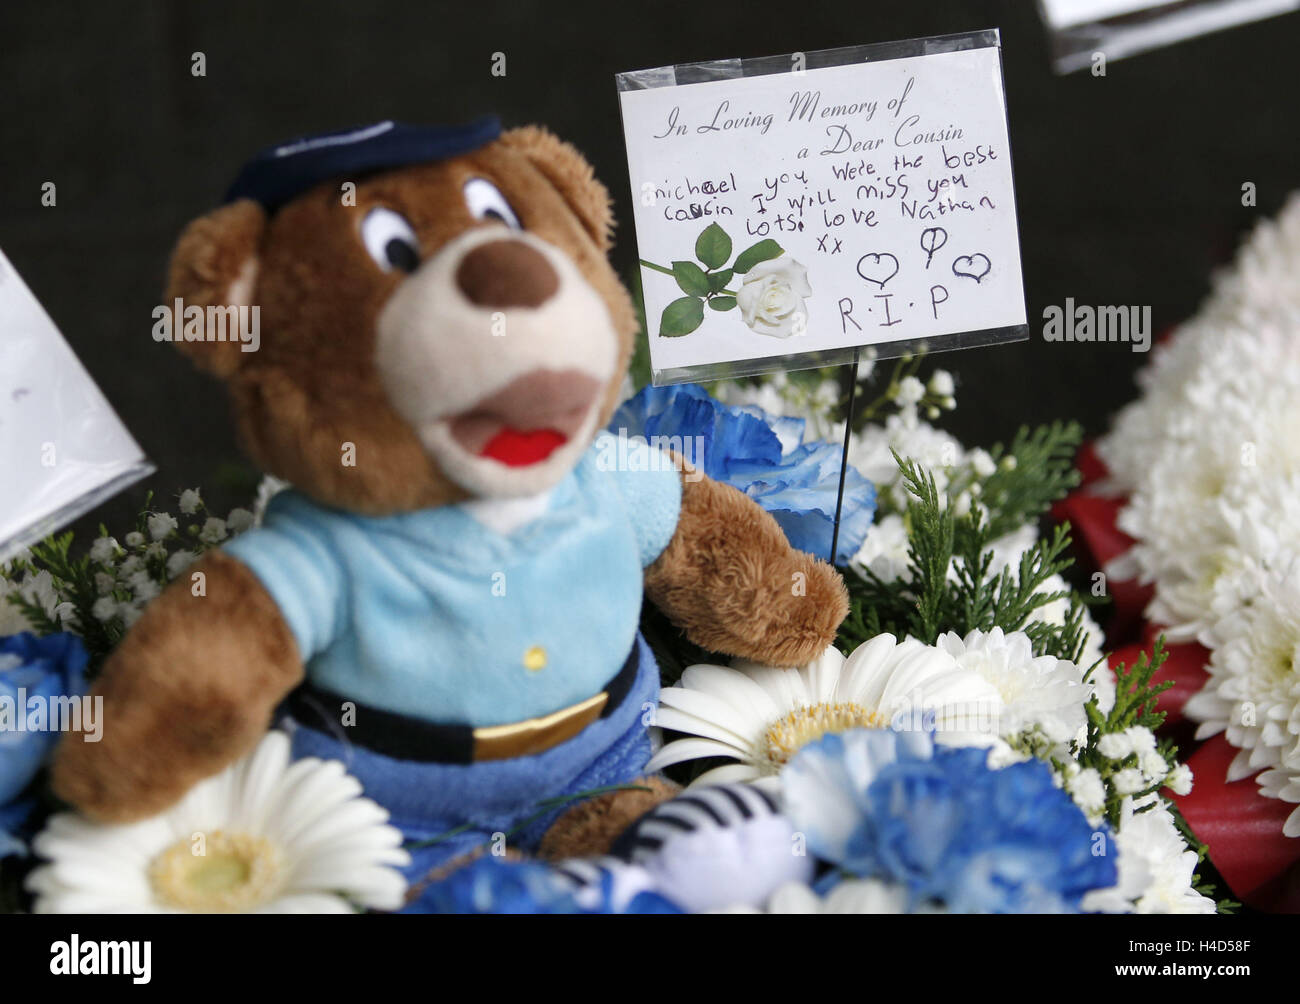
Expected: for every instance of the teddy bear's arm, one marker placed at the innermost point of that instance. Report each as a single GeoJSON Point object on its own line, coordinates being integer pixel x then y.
{"type": "Point", "coordinates": [189, 689]}
{"type": "Point", "coordinates": [732, 582]}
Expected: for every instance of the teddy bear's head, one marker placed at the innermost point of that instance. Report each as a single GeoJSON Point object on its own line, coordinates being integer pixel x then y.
{"type": "Point", "coordinates": [437, 317]}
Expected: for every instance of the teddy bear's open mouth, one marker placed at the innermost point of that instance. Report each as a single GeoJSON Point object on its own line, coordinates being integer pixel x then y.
{"type": "Point", "coordinates": [528, 419]}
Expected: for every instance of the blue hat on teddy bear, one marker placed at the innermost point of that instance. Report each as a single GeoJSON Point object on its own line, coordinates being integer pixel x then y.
{"type": "Point", "coordinates": [284, 171]}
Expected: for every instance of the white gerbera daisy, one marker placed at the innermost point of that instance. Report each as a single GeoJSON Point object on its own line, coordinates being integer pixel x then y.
{"type": "Point", "coordinates": [1041, 694]}
{"type": "Point", "coordinates": [263, 836]}
{"type": "Point", "coordinates": [761, 716]}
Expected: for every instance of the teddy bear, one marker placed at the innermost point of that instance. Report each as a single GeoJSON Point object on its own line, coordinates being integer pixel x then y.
{"type": "Point", "coordinates": [447, 598]}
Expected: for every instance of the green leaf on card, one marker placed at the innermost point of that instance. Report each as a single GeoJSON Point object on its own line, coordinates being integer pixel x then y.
{"type": "Point", "coordinates": [713, 246]}
{"type": "Point", "coordinates": [681, 317]}
{"type": "Point", "coordinates": [764, 250]}
{"type": "Point", "coordinates": [691, 278]}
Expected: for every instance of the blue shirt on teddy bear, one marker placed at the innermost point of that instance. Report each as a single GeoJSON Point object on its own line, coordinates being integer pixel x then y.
{"type": "Point", "coordinates": [434, 615]}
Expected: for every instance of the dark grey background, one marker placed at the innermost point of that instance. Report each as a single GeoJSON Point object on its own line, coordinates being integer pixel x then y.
{"type": "Point", "coordinates": [1128, 185]}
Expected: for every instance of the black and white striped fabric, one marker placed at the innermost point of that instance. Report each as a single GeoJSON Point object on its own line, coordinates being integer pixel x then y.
{"type": "Point", "coordinates": [716, 847]}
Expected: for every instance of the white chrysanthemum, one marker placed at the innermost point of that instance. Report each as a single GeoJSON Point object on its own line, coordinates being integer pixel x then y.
{"type": "Point", "coordinates": [1040, 694]}
{"type": "Point", "coordinates": [1154, 868]}
{"type": "Point", "coordinates": [760, 716]}
{"type": "Point", "coordinates": [263, 836]}
{"type": "Point", "coordinates": [1253, 693]}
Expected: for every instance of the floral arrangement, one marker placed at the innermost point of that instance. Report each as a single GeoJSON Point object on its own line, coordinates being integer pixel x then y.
{"type": "Point", "coordinates": [1191, 510]}
{"type": "Point", "coordinates": [964, 746]}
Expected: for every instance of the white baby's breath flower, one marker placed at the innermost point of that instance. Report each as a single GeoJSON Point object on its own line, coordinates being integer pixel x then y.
{"type": "Point", "coordinates": [143, 586]}
{"type": "Point", "coordinates": [239, 520]}
{"type": "Point", "coordinates": [885, 549]}
{"type": "Point", "coordinates": [1088, 791]}
{"type": "Point", "coordinates": [190, 501]}
{"type": "Point", "coordinates": [134, 539]}
{"type": "Point", "coordinates": [104, 550]}
{"type": "Point", "coordinates": [982, 462]}
{"type": "Point", "coordinates": [941, 383]}
{"type": "Point", "coordinates": [179, 561]}
{"type": "Point", "coordinates": [104, 583]}
{"type": "Point", "coordinates": [1153, 766]}
{"type": "Point", "coordinates": [161, 525]}
{"type": "Point", "coordinates": [1115, 745]}
{"type": "Point", "coordinates": [1129, 781]}
{"type": "Point", "coordinates": [104, 609]}
{"type": "Point", "coordinates": [910, 391]}
{"type": "Point", "coordinates": [1179, 780]}
{"type": "Point", "coordinates": [214, 530]}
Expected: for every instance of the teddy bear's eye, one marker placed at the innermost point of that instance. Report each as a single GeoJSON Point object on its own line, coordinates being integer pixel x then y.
{"type": "Point", "coordinates": [390, 240]}
{"type": "Point", "coordinates": [486, 202]}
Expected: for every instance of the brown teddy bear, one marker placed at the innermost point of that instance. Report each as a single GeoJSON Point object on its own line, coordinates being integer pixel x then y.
{"type": "Point", "coordinates": [448, 597]}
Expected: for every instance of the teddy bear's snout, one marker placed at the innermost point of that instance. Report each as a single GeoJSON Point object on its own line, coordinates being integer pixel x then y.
{"type": "Point", "coordinates": [506, 273]}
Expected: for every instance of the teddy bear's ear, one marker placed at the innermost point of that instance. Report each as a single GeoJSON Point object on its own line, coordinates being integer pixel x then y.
{"type": "Point", "coordinates": [568, 171]}
{"type": "Point", "coordinates": [214, 264]}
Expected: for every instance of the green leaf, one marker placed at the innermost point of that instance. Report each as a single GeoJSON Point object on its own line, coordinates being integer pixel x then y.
{"type": "Point", "coordinates": [681, 317]}
{"type": "Point", "coordinates": [691, 278]}
{"type": "Point", "coordinates": [764, 250]}
{"type": "Point", "coordinates": [718, 280]}
{"type": "Point", "coordinates": [723, 303]}
{"type": "Point", "coordinates": [713, 246]}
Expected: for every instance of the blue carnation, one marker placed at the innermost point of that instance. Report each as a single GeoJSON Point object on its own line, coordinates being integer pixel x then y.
{"type": "Point", "coordinates": [44, 668]}
{"type": "Point", "coordinates": [492, 885]}
{"type": "Point", "coordinates": [742, 447]}
{"type": "Point", "coordinates": [15, 821]}
{"type": "Point", "coordinates": [945, 825]}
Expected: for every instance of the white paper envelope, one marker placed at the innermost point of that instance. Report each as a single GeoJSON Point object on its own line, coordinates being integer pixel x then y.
{"type": "Point", "coordinates": [63, 450]}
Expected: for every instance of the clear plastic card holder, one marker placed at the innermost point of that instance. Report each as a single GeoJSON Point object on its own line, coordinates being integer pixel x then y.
{"type": "Point", "coordinates": [947, 93]}
{"type": "Point", "coordinates": [63, 450]}
{"type": "Point", "coordinates": [1117, 28]}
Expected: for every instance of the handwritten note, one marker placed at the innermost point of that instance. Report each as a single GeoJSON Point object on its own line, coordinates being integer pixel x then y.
{"type": "Point", "coordinates": [868, 203]}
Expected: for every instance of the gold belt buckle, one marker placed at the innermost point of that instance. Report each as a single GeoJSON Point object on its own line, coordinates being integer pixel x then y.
{"type": "Point", "coordinates": [536, 735]}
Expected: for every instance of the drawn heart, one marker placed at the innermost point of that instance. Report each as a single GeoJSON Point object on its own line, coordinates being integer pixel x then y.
{"type": "Point", "coordinates": [877, 274]}
{"type": "Point", "coordinates": [968, 265]}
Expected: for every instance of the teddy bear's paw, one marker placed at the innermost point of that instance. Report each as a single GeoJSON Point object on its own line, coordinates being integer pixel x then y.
{"type": "Point", "coordinates": [806, 621]}
{"type": "Point", "coordinates": [590, 828]}
{"type": "Point", "coordinates": [717, 847]}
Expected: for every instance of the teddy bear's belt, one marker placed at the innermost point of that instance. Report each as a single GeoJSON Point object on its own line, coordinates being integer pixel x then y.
{"type": "Point", "coordinates": [406, 738]}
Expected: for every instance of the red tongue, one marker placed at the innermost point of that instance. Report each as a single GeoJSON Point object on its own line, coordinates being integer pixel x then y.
{"type": "Point", "coordinates": [516, 448]}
